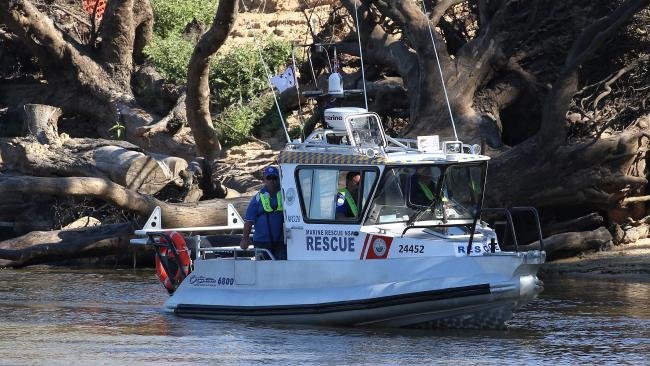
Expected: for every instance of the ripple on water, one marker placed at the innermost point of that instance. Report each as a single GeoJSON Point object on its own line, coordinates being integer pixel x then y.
{"type": "Point", "coordinates": [63, 317]}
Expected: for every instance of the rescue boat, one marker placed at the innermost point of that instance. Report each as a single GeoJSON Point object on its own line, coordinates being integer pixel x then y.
{"type": "Point", "coordinates": [400, 262]}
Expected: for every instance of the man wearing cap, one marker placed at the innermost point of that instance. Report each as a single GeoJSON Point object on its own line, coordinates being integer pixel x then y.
{"type": "Point", "coordinates": [265, 213]}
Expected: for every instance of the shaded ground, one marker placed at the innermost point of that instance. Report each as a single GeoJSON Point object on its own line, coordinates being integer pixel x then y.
{"type": "Point", "coordinates": [630, 261]}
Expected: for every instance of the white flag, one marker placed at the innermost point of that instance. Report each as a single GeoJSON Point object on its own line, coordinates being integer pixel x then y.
{"type": "Point", "coordinates": [284, 80]}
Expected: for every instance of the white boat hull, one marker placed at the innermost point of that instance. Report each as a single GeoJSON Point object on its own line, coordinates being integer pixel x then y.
{"type": "Point", "coordinates": [455, 292]}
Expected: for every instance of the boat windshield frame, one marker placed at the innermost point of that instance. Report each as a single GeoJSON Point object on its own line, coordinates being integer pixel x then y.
{"type": "Point", "coordinates": [454, 204]}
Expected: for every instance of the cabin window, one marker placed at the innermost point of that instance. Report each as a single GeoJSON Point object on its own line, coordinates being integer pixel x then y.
{"type": "Point", "coordinates": [328, 194]}
{"type": "Point", "coordinates": [464, 187]}
{"type": "Point", "coordinates": [444, 193]}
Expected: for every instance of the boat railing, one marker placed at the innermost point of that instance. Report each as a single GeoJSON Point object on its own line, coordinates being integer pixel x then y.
{"type": "Point", "coordinates": [402, 143]}
{"type": "Point", "coordinates": [336, 141]}
{"type": "Point", "coordinates": [507, 213]}
{"type": "Point", "coordinates": [535, 215]}
{"type": "Point", "coordinates": [152, 232]}
{"type": "Point", "coordinates": [161, 240]}
{"type": "Point", "coordinates": [232, 251]}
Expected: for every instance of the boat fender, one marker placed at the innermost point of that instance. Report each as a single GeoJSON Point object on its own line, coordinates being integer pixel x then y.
{"type": "Point", "coordinates": [178, 266]}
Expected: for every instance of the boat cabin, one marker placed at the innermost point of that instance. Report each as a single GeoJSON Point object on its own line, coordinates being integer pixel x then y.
{"type": "Point", "coordinates": [407, 191]}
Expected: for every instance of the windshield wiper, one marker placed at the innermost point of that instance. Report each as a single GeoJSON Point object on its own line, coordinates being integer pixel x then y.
{"type": "Point", "coordinates": [417, 215]}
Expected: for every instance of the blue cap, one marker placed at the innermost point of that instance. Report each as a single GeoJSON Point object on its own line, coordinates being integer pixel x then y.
{"type": "Point", "coordinates": [270, 171]}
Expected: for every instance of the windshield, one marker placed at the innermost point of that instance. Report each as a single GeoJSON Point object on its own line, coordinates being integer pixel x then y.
{"type": "Point", "coordinates": [449, 193]}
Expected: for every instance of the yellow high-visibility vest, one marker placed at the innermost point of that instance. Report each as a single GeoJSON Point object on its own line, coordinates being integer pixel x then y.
{"type": "Point", "coordinates": [265, 198]}
{"type": "Point", "coordinates": [427, 192]}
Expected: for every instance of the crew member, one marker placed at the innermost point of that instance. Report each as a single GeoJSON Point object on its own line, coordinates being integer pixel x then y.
{"type": "Point", "coordinates": [265, 214]}
{"type": "Point", "coordinates": [346, 199]}
{"type": "Point", "coordinates": [422, 187]}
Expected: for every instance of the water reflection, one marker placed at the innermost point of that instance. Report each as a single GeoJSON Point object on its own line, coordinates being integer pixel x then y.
{"type": "Point", "coordinates": [51, 316]}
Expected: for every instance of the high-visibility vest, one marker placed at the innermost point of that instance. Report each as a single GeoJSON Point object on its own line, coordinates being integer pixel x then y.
{"type": "Point", "coordinates": [427, 192]}
{"type": "Point", "coordinates": [475, 186]}
{"type": "Point", "coordinates": [350, 201]}
{"type": "Point", "coordinates": [265, 198]}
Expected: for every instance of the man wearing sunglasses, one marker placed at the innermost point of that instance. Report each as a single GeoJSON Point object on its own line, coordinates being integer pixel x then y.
{"type": "Point", "coordinates": [265, 214]}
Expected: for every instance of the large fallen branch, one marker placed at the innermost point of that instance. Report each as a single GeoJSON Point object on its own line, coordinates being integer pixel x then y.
{"type": "Point", "coordinates": [569, 244]}
{"type": "Point", "coordinates": [203, 213]}
{"type": "Point", "coordinates": [584, 223]}
{"type": "Point", "coordinates": [45, 153]}
{"type": "Point", "coordinates": [120, 162]}
{"type": "Point", "coordinates": [51, 246]}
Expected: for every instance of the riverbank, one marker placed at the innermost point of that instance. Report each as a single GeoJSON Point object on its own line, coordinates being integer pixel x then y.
{"type": "Point", "coordinates": [630, 262]}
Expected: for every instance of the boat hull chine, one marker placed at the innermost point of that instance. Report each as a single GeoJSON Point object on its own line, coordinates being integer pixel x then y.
{"type": "Point", "coordinates": [472, 310]}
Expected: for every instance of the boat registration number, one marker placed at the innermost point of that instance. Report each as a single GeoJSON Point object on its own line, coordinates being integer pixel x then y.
{"type": "Point", "coordinates": [411, 248]}
{"type": "Point", "coordinates": [229, 281]}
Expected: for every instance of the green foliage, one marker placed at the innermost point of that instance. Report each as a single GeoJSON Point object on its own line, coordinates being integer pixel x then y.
{"type": "Point", "coordinates": [171, 16]}
{"type": "Point", "coordinates": [169, 51]}
{"type": "Point", "coordinates": [239, 87]}
{"type": "Point", "coordinates": [118, 130]}
{"type": "Point", "coordinates": [235, 124]}
{"type": "Point", "coordinates": [170, 56]}
{"type": "Point", "coordinates": [295, 132]}
{"type": "Point", "coordinates": [239, 75]}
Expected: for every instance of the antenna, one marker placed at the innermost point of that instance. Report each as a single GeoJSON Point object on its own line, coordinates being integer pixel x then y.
{"type": "Point", "coordinates": [442, 80]}
{"type": "Point", "coordinates": [363, 72]}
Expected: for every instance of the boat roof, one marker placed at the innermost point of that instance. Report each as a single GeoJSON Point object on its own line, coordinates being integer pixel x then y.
{"type": "Point", "coordinates": [315, 157]}
{"type": "Point", "coordinates": [357, 137]}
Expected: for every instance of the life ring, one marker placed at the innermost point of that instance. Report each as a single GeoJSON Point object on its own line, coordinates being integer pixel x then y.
{"type": "Point", "coordinates": [179, 266]}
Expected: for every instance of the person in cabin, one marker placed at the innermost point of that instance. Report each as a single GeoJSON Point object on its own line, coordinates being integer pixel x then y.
{"type": "Point", "coordinates": [422, 187]}
{"type": "Point", "coordinates": [346, 199]}
{"type": "Point", "coordinates": [265, 214]}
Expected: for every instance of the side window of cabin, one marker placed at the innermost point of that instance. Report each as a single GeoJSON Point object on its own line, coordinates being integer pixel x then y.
{"type": "Point", "coordinates": [318, 189]}
{"type": "Point", "coordinates": [335, 194]}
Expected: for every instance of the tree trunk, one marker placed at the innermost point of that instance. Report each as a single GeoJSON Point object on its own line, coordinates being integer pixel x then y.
{"type": "Point", "coordinates": [118, 161]}
{"type": "Point", "coordinates": [96, 85]}
{"type": "Point", "coordinates": [588, 222]}
{"type": "Point", "coordinates": [587, 176]}
{"type": "Point", "coordinates": [198, 89]}
{"type": "Point", "coordinates": [137, 171]}
{"type": "Point", "coordinates": [41, 121]}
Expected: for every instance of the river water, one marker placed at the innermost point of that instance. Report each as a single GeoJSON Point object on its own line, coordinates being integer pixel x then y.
{"type": "Point", "coordinates": [80, 317]}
